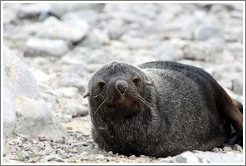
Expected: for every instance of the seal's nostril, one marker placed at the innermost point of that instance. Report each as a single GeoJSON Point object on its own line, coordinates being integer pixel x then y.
{"type": "Point", "coordinates": [121, 86]}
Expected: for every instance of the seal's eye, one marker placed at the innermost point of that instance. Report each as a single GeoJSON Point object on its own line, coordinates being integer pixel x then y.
{"type": "Point", "coordinates": [136, 80]}
{"type": "Point", "coordinates": [101, 84]}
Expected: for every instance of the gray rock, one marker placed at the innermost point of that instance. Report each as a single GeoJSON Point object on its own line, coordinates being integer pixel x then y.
{"type": "Point", "coordinates": [235, 48]}
{"type": "Point", "coordinates": [65, 156]}
{"type": "Point", "coordinates": [32, 10]}
{"type": "Point", "coordinates": [70, 30]}
{"type": "Point", "coordinates": [62, 8]}
{"type": "Point", "coordinates": [69, 92]}
{"type": "Point", "coordinates": [207, 31]}
{"type": "Point", "coordinates": [24, 110]}
{"type": "Point", "coordinates": [39, 75]}
{"type": "Point", "coordinates": [99, 57]}
{"type": "Point", "coordinates": [95, 39]}
{"type": "Point", "coordinates": [135, 43]}
{"type": "Point", "coordinates": [167, 53]}
{"type": "Point", "coordinates": [100, 157]}
{"type": "Point", "coordinates": [23, 156]}
{"type": "Point", "coordinates": [92, 17]}
{"type": "Point", "coordinates": [115, 32]}
{"type": "Point", "coordinates": [76, 144]}
{"type": "Point", "coordinates": [75, 110]}
{"type": "Point", "coordinates": [8, 15]}
{"type": "Point", "coordinates": [237, 86]}
{"type": "Point", "coordinates": [73, 80]}
{"type": "Point", "coordinates": [45, 47]}
{"type": "Point", "coordinates": [54, 158]}
{"type": "Point", "coordinates": [195, 51]}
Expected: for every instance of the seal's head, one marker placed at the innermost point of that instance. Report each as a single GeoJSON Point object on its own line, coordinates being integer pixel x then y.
{"type": "Point", "coordinates": [117, 89]}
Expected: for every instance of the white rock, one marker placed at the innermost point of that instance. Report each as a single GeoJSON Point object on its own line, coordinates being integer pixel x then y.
{"type": "Point", "coordinates": [67, 92]}
{"type": "Point", "coordinates": [95, 39]}
{"type": "Point", "coordinates": [207, 157]}
{"type": "Point", "coordinates": [63, 8]}
{"type": "Point", "coordinates": [90, 16]}
{"type": "Point", "coordinates": [70, 30]}
{"type": "Point", "coordinates": [27, 10]}
{"type": "Point", "coordinates": [45, 47]}
{"type": "Point", "coordinates": [39, 75]}
{"type": "Point", "coordinates": [207, 31]}
{"type": "Point", "coordinates": [24, 110]}
{"type": "Point", "coordinates": [75, 110]}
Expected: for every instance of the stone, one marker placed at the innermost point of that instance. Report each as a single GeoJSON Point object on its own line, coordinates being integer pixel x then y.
{"type": "Point", "coordinates": [135, 43]}
{"type": "Point", "coordinates": [24, 110]}
{"type": "Point", "coordinates": [188, 157]}
{"type": "Point", "coordinates": [115, 32]}
{"type": "Point", "coordinates": [39, 75]}
{"type": "Point", "coordinates": [207, 31]}
{"type": "Point", "coordinates": [195, 51]}
{"type": "Point", "coordinates": [167, 53]}
{"type": "Point", "coordinates": [73, 80]}
{"type": "Point", "coordinates": [100, 157]}
{"type": "Point", "coordinates": [23, 156]}
{"type": "Point", "coordinates": [54, 158]}
{"type": "Point", "coordinates": [235, 48]}
{"type": "Point", "coordinates": [9, 15]}
{"type": "Point", "coordinates": [77, 144]}
{"type": "Point", "coordinates": [70, 30]}
{"type": "Point", "coordinates": [33, 10]}
{"type": "Point", "coordinates": [99, 57]}
{"type": "Point", "coordinates": [60, 9]}
{"type": "Point", "coordinates": [237, 85]}
{"type": "Point", "coordinates": [75, 110]}
{"type": "Point", "coordinates": [95, 39]}
{"type": "Point", "coordinates": [45, 47]}
{"type": "Point", "coordinates": [68, 92]}
{"type": "Point", "coordinates": [207, 157]}
{"type": "Point", "coordinates": [92, 17]}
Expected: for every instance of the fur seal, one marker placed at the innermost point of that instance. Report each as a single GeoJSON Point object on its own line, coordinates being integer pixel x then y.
{"type": "Point", "coordinates": [160, 109]}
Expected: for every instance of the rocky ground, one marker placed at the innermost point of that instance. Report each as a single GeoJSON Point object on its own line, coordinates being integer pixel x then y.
{"type": "Point", "coordinates": [63, 44]}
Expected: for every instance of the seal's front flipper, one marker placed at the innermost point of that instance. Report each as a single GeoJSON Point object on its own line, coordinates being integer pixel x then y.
{"type": "Point", "coordinates": [239, 105]}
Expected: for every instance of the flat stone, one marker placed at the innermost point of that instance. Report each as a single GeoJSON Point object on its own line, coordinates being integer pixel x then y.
{"type": "Point", "coordinates": [207, 31]}
{"type": "Point", "coordinates": [54, 158]}
{"type": "Point", "coordinates": [75, 110]}
{"type": "Point", "coordinates": [45, 47]}
{"type": "Point", "coordinates": [23, 156]}
{"type": "Point", "coordinates": [69, 30]}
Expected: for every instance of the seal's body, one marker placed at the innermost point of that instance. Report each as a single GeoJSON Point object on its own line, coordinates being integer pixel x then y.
{"type": "Point", "coordinates": [159, 109]}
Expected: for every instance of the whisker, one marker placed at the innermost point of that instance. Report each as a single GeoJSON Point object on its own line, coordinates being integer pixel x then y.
{"type": "Point", "coordinates": [145, 102]}
{"type": "Point", "coordinates": [100, 106]}
{"type": "Point", "coordinates": [98, 96]}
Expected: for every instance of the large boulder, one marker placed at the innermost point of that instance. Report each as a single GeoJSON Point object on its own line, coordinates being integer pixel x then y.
{"type": "Point", "coordinates": [24, 109]}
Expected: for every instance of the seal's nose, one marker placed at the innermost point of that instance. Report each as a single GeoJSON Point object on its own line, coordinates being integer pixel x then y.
{"type": "Point", "coordinates": [121, 86]}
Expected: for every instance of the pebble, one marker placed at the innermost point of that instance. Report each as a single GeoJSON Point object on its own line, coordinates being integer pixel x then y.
{"type": "Point", "coordinates": [23, 156]}
{"type": "Point", "coordinates": [100, 157]}
{"type": "Point", "coordinates": [208, 31]}
{"type": "Point", "coordinates": [54, 158]}
{"type": "Point", "coordinates": [78, 144]}
{"type": "Point", "coordinates": [75, 110]}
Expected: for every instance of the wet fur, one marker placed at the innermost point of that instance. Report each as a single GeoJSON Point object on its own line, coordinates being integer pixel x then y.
{"type": "Point", "coordinates": [184, 108]}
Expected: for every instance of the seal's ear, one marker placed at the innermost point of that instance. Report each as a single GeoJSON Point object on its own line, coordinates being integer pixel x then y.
{"type": "Point", "coordinates": [87, 94]}
{"type": "Point", "coordinates": [149, 83]}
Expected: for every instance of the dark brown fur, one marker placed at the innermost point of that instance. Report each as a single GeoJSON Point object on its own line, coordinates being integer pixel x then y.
{"type": "Point", "coordinates": [160, 109]}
